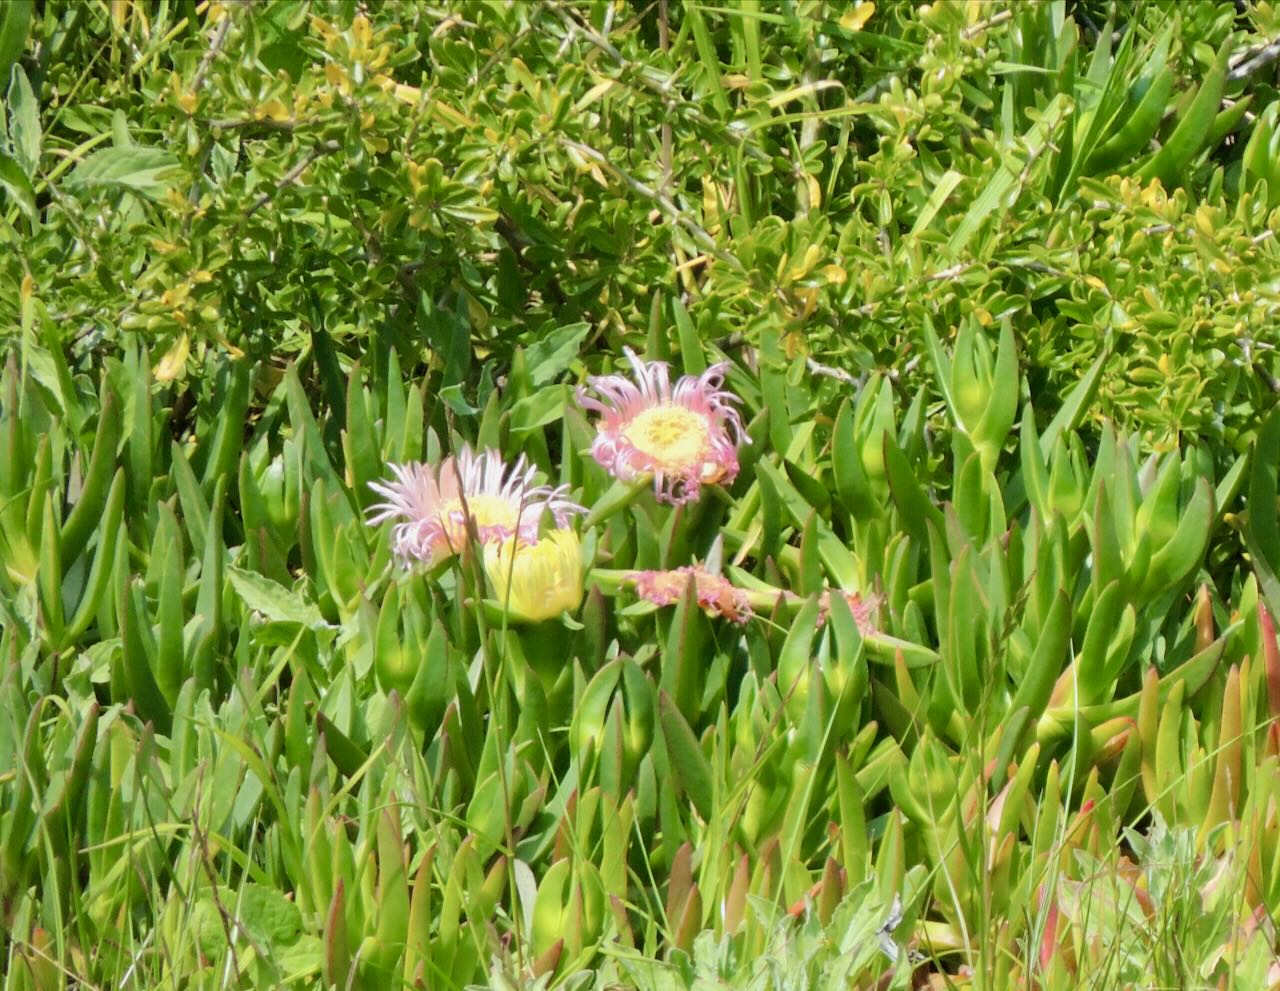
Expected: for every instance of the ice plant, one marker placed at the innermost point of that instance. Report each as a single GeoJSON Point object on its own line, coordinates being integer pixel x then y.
{"type": "Point", "coordinates": [716, 595]}
{"type": "Point", "coordinates": [434, 507]}
{"type": "Point", "coordinates": [864, 609]}
{"type": "Point", "coordinates": [684, 436]}
{"type": "Point", "coordinates": [536, 581]}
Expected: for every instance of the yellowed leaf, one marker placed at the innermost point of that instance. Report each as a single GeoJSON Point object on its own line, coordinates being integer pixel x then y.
{"type": "Point", "coordinates": [273, 109]}
{"type": "Point", "coordinates": [710, 205]}
{"type": "Point", "coordinates": [594, 93]}
{"type": "Point", "coordinates": [815, 192]}
{"type": "Point", "coordinates": [174, 361]}
{"type": "Point", "coordinates": [361, 31]}
{"type": "Point", "coordinates": [336, 75]}
{"type": "Point", "coordinates": [407, 94]}
{"type": "Point", "coordinates": [854, 19]}
{"type": "Point", "coordinates": [448, 115]}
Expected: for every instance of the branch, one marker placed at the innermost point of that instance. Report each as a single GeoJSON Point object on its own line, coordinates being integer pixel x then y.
{"type": "Point", "coordinates": [323, 148]}
{"type": "Point", "coordinates": [673, 212]}
{"type": "Point", "coordinates": [215, 46]}
{"type": "Point", "coordinates": [839, 374]}
{"type": "Point", "coordinates": [1254, 61]}
{"type": "Point", "coordinates": [990, 22]}
{"type": "Point", "coordinates": [664, 89]}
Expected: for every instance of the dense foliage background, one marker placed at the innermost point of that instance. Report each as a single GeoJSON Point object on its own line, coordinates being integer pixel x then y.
{"type": "Point", "coordinates": [999, 284]}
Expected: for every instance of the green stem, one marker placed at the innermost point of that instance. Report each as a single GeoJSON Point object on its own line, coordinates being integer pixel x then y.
{"type": "Point", "coordinates": [619, 496]}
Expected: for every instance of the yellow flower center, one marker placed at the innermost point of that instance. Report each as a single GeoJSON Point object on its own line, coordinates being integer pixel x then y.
{"type": "Point", "coordinates": [486, 510]}
{"type": "Point", "coordinates": [674, 437]}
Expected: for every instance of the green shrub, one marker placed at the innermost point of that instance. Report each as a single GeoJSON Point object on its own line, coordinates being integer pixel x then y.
{"type": "Point", "coordinates": [992, 692]}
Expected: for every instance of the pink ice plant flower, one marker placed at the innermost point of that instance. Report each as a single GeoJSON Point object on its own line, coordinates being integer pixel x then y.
{"type": "Point", "coordinates": [431, 505]}
{"type": "Point", "coordinates": [715, 594]}
{"type": "Point", "coordinates": [684, 436]}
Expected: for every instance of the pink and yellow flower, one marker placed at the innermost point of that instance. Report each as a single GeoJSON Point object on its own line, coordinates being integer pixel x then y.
{"type": "Point", "coordinates": [684, 436]}
{"type": "Point", "coordinates": [715, 594]}
{"type": "Point", "coordinates": [435, 507]}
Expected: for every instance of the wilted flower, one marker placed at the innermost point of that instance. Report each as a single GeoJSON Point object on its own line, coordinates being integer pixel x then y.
{"type": "Point", "coordinates": [537, 581]}
{"type": "Point", "coordinates": [864, 609]}
{"type": "Point", "coordinates": [716, 595]}
{"type": "Point", "coordinates": [685, 437]}
{"type": "Point", "coordinates": [431, 505]}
